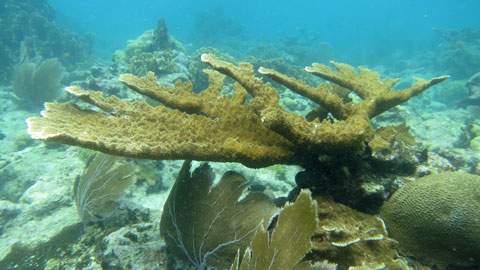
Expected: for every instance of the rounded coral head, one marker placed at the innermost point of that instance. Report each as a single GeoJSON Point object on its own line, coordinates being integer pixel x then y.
{"type": "Point", "coordinates": [437, 218]}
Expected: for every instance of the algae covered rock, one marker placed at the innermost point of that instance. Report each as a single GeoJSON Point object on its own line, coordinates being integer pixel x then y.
{"type": "Point", "coordinates": [437, 218]}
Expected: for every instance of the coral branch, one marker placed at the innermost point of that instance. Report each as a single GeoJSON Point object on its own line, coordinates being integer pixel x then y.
{"type": "Point", "coordinates": [379, 96]}
{"type": "Point", "coordinates": [136, 129]}
{"type": "Point", "coordinates": [322, 95]}
{"type": "Point", "coordinates": [392, 98]}
{"type": "Point", "coordinates": [365, 83]}
{"type": "Point", "coordinates": [209, 126]}
{"type": "Point", "coordinates": [316, 137]}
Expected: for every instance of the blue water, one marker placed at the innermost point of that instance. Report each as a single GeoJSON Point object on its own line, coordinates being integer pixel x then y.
{"type": "Point", "coordinates": [397, 38]}
{"type": "Point", "coordinates": [347, 25]}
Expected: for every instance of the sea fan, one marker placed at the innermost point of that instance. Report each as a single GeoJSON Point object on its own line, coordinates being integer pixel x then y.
{"type": "Point", "coordinates": [103, 181]}
{"type": "Point", "coordinates": [206, 225]}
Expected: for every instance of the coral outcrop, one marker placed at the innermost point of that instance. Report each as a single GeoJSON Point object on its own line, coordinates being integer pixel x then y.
{"type": "Point", "coordinates": [473, 85]}
{"type": "Point", "coordinates": [210, 126]}
{"type": "Point", "coordinates": [460, 56]}
{"type": "Point", "coordinates": [30, 24]}
{"type": "Point", "coordinates": [159, 62]}
{"type": "Point", "coordinates": [155, 51]}
{"type": "Point", "coordinates": [352, 240]}
{"type": "Point", "coordinates": [436, 218]}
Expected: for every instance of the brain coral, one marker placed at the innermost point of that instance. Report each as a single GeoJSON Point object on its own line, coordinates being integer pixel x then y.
{"type": "Point", "coordinates": [437, 218]}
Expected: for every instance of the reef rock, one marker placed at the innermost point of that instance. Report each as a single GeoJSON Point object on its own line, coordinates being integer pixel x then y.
{"type": "Point", "coordinates": [473, 85]}
{"type": "Point", "coordinates": [351, 239]}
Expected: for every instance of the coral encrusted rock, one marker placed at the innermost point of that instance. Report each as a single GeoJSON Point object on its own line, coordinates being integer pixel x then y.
{"type": "Point", "coordinates": [352, 240]}
{"type": "Point", "coordinates": [437, 218]}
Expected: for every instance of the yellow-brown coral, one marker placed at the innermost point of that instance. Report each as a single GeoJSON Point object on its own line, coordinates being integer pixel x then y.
{"type": "Point", "coordinates": [437, 218]}
{"type": "Point", "coordinates": [351, 239]}
{"type": "Point", "coordinates": [209, 126]}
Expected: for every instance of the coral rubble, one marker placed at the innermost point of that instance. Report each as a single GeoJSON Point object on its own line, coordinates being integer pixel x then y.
{"type": "Point", "coordinates": [212, 127]}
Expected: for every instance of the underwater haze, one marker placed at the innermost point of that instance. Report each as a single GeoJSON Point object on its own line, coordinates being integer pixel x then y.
{"type": "Point", "coordinates": [173, 135]}
{"type": "Point", "coordinates": [349, 26]}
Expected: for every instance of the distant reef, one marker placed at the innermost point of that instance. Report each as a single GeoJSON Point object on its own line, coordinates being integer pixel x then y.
{"type": "Point", "coordinates": [28, 30]}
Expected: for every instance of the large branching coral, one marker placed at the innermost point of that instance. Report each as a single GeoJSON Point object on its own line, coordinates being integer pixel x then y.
{"type": "Point", "coordinates": [209, 126]}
